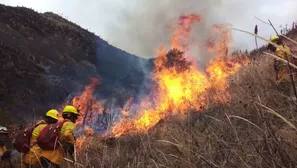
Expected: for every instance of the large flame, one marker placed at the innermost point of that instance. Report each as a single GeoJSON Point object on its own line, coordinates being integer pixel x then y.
{"type": "Point", "coordinates": [86, 103]}
{"type": "Point", "coordinates": [88, 107]}
{"type": "Point", "coordinates": [180, 38]}
{"type": "Point", "coordinates": [180, 86]}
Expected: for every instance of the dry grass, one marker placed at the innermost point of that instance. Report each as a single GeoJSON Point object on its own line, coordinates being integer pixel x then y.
{"type": "Point", "coordinates": [256, 129]}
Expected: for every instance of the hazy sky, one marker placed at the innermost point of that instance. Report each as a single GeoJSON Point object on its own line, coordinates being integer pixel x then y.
{"type": "Point", "coordinates": [139, 26]}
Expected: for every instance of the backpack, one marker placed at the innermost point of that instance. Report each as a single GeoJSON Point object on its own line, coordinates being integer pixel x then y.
{"type": "Point", "coordinates": [48, 138]}
{"type": "Point", "coordinates": [22, 142]}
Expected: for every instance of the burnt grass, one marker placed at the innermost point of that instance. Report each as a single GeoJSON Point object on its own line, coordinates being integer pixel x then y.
{"type": "Point", "coordinates": [44, 58]}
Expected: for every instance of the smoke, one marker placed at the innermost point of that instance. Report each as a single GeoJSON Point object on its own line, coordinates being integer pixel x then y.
{"type": "Point", "coordinates": [146, 23]}
{"type": "Point", "coordinates": [142, 26]}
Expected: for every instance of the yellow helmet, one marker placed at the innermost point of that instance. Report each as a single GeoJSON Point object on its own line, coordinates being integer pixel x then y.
{"type": "Point", "coordinates": [274, 38]}
{"type": "Point", "coordinates": [70, 109]}
{"type": "Point", "coordinates": [53, 114]}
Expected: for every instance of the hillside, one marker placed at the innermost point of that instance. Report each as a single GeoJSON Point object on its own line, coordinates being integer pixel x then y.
{"type": "Point", "coordinates": [45, 58]}
{"type": "Point", "coordinates": [233, 114]}
{"type": "Point", "coordinates": [256, 128]}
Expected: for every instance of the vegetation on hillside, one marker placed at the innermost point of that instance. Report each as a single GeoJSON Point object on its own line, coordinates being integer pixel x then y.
{"type": "Point", "coordinates": [45, 58]}
{"type": "Point", "coordinates": [255, 129]}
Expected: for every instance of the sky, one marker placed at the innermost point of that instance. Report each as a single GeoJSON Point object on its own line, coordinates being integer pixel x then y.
{"type": "Point", "coordinates": [140, 26]}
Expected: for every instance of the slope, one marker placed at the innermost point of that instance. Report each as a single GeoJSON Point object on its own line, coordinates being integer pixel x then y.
{"type": "Point", "coordinates": [257, 128]}
{"type": "Point", "coordinates": [45, 58]}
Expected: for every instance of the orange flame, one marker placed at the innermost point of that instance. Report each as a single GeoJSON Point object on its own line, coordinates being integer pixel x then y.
{"type": "Point", "coordinates": [180, 38]}
{"type": "Point", "coordinates": [79, 142]}
{"type": "Point", "coordinates": [181, 87]}
{"type": "Point", "coordinates": [219, 47]}
{"type": "Point", "coordinates": [86, 102]}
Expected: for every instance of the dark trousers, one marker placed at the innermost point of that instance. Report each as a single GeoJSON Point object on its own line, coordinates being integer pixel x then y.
{"type": "Point", "coordinates": [45, 163]}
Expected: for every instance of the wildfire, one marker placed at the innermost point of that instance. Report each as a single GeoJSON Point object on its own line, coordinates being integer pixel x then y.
{"type": "Point", "coordinates": [86, 103]}
{"type": "Point", "coordinates": [180, 38]}
{"type": "Point", "coordinates": [180, 86]}
{"type": "Point", "coordinates": [79, 142]}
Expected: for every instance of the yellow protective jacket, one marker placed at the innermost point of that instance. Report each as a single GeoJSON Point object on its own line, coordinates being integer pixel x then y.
{"type": "Point", "coordinates": [283, 51]}
{"type": "Point", "coordinates": [66, 135]}
{"type": "Point", "coordinates": [32, 157]}
{"type": "Point", "coordinates": [282, 72]}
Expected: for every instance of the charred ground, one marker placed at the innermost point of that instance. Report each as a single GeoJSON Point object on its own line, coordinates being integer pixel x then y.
{"type": "Point", "coordinates": [45, 58]}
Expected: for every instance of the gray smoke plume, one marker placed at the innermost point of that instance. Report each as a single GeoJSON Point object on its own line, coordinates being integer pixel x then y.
{"type": "Point", "coordinates": [142, 26]}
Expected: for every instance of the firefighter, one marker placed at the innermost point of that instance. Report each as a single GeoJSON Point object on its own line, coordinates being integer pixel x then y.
{"type": "Point", "coordinates": [281, 68]}
{"type": "Point", "coordinates": [4, 153]}
{"type": "Point", "coordinates": [54, 158]}
{"type": "Point", "coordinates": [31, 159]}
